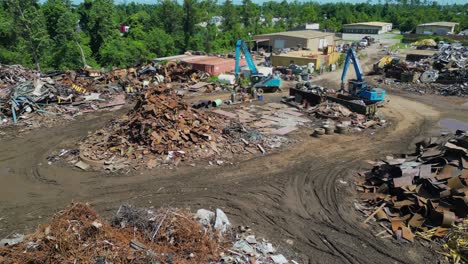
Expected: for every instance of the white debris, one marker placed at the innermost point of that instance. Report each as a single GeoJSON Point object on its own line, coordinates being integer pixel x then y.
{"type": "Point", "coordinates": [251, 239]}
{"type": "Point", "coordinates": [222, 222]}
{"type": "Point", "coordinates": [279, 259]}
{"type": "Point", "coordinates": [82, 165]}
{"type": "Point", "coordinates": [15, 239]}
{"type": "Point", "coordinates": [205, 217]}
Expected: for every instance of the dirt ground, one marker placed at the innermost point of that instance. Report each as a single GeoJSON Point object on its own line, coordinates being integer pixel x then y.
{"type": "Point", "coordinates": [301, 198]}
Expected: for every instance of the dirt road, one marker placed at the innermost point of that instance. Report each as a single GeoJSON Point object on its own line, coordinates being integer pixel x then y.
{"type": "Point", "coordinates": [302, 198]}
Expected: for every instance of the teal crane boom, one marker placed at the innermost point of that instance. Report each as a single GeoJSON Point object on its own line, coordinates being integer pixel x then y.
{"type": "Point", "coordinates": [259, 80]}
{"type": "Point", "coordinates": [358, 87]}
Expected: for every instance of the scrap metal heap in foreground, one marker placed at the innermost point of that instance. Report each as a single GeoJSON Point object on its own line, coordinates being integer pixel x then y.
{"type": "Point", "coordinates": [139, 235]}
{"type": "Point", "coordinates": [423, 194]}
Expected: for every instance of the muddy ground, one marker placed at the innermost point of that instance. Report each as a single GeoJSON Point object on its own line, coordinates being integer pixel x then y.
{"type": "Point", "coordinates": [301, 198]}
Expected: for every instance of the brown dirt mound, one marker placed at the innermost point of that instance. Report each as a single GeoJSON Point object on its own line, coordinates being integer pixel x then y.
{"type": "Point", "coordinates": [79, 235]}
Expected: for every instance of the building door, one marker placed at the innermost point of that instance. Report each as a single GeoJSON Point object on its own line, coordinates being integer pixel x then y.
{"type": "Point", "coordinates": [279, 44]}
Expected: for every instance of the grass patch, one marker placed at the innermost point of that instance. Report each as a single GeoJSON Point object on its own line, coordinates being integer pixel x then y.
{"type": "Point", "coordinates": [397, 37]}
{"type": "Point", "coordinates": [398, 46]}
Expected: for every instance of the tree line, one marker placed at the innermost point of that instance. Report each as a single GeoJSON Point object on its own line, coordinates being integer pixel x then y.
{"type": "Point", "coordinates": [58, 35]}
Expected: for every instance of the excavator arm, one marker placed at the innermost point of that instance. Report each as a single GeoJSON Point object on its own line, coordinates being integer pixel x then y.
{"type": "Point", "coordinates": [240, 46]}
{"type": "Point", "coordinates": [351, 55]}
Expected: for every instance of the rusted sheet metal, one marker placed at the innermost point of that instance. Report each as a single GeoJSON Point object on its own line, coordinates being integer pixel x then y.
{"type": "Point", "coordinates": [312, 99]}
{"type": "Point", "coordinates": [424, 190]}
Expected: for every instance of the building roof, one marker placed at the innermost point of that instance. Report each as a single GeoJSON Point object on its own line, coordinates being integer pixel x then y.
{"type": "Point", "coordinates": [442, 23]}
{"type": "Point", "coordinates": [305, 34]}
{"type": "Point", "coordinates": [371, 23]}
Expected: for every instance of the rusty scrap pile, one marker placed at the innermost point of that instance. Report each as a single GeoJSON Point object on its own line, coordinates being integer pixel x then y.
{"type": "Point", "coordinates": [79, 235]}
{"type": "Point", "coordinates": [183, 73]}
{"type": "Point", "coordinates": [139, 235]}
{"type": "Point", "coordinates": [425, 193]}
{"type": "Point", "coordinates": [460, 90]}
{"type": "Point", "coordinates": [161, 123]}
{"type": "Point", "coordinates": [343, 120]}
{"type": "Point", "coordinates": [37, 99]}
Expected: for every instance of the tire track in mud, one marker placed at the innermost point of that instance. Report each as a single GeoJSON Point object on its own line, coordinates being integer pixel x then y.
{"type": "Point", "coordinates": [295, 194]}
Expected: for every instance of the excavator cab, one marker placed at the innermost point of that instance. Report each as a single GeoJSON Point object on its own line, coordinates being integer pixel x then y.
{"type": "Point", "coordinates": [268, 83]}
{"type": "Point", "coordinates": [358, 87]}
{"type": "Point", "coordinates": [361, 90]}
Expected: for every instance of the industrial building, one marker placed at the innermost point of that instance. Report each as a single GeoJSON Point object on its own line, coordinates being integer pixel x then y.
{"type": "Point", "coordinates": [305, 57]}
{"type": "Point", "coordinates": [357, 31]}
{"type": "Point", "coordinates": [437, 28]}
{"type": "Point", "coordinates": [211, 64]}
{"type": "Point", "coordinates": [303, 39]}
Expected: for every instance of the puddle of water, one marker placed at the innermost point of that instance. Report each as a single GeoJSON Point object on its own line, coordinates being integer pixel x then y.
{"type": "Point", "coordinates": [453, 125]}
{"type": "Point", "coordinates": [465, 105]}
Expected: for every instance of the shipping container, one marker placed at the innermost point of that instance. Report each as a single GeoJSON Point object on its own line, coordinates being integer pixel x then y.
{"type": "Point", "coordinates": [214, 65]}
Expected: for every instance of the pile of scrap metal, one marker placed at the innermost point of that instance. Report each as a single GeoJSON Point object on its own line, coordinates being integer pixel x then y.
{"type": "Point", "coordinates": [78, 234]}
{"type": "Point", "coordinates": [448, 66]}
{"type": "Point", "coordinates": [182, 76]}
{"type": "Point", "coordinates": [294, 72]}
{"type": "Point", "coordinates": [160, 129]}
{"type": "Point", "coordinates": [460, 90]}
{"type": "Point", "coordinates": [12, 75]}
{"type": "Point", "coordinates": [340, 119]}
{"type": "Point", "coordinates": [30, 92]}
{"type": "Point", "coordinates": [423, 194]}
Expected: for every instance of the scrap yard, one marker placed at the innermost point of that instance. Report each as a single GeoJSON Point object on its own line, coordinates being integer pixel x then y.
{"type": "Point", "coordinates": [216, 159]}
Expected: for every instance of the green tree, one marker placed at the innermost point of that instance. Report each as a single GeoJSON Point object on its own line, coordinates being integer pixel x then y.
{"type": "Point", "coordinates": [96, 18]}
{"type": "Point", "coordinates": [229, 13]}
{"type": "Point", "coordinates": [160, 43]}
{"type": "Point", "coordinates": [190, 19]}
{"type": "Point", "coordinates": [29, 22]}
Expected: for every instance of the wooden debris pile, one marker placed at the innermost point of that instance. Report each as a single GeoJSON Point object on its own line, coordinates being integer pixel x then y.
{"type": "Point", "coordinates": [160, 128]}
{"type": "Point", "coordinates": [424, 193]}
{"type": "Point", "coordinates": [78, 235]}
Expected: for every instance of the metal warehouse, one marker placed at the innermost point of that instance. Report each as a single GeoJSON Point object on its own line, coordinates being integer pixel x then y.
{"type": "Point", "coordinates": [439, 28]}
{"type": "Point", "coordinates": [305, 39]}
{"type": "Point", "coordinates": [356, 31]}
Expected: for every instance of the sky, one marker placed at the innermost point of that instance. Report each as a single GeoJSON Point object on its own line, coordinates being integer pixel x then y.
{"type": "Point", "coordinates": [442, 2]}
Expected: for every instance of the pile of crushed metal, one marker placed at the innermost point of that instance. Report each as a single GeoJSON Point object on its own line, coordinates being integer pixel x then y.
{"type": "Point", "coordinates": [460, 89]}
{"type": "Point", "coordinates": [445, 73]}
{"type": "Point", "coordinates": [137, 235]}
{"type": "Point", "coordinates": [33, 99]}
{"type": "Point", "coordinates": [334, 109]}
{"type": "Point", "coordinates": [161, 128]}
{"type": "Point", "coordinates": [11, 75]}
{"type": "Point", "coordinates": [423, 194]}
{"type": "Point", "coordinates": [338, 118]}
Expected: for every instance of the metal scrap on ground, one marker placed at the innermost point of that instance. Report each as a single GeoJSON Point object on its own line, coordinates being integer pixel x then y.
{"type": "Point", "coordinates": [444, 73]}
{"type": "Point", "coordinates": [422, 194]}
{"type": "Point", "coordinates": [162, 128]}
{"type": "Point", "coordinates": [33, 98]}
{"type": "Point", "coordinates": [139, 235]}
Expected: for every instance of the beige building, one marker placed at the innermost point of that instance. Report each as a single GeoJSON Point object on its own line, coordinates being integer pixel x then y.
{"type": "Point", "coordinates": [357, 31]}
{"type": "Point", "coordinates": [438, 28]}
{"type": "Point", "coordinates": [305, 39]}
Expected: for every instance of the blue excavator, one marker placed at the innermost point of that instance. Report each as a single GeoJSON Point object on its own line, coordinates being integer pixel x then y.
{"type": "Point", "coordinates": [266, 83]}
{"type": "Point", "coordinates": [358, 87]}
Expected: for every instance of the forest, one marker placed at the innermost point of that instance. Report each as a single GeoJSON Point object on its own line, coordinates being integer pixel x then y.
{"type": "Point", "coordinates": [57, 35]}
